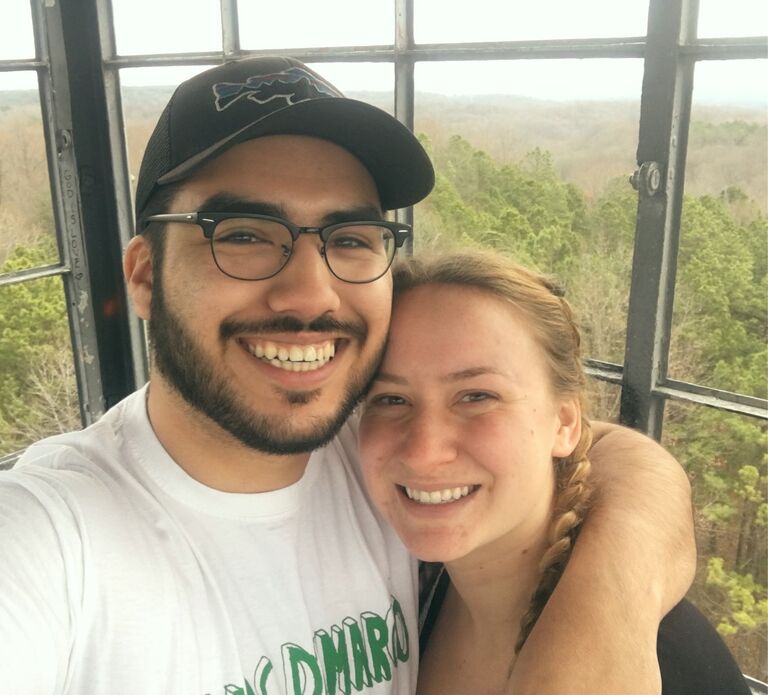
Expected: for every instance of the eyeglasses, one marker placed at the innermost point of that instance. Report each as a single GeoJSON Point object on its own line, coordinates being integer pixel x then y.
{"type": "Point", "coordinates": [258, 247]}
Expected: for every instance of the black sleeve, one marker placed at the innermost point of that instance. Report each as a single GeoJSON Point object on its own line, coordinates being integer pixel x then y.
{"type": "Point", "coordinates": [692, 657]}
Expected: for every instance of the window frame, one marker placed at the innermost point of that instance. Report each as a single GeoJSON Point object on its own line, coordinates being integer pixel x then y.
{"type": "Point", "coordinates": [110, 352]}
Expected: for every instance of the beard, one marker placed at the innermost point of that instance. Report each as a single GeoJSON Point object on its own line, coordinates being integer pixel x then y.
{"type": "Point", "coordinates": [194, 375]}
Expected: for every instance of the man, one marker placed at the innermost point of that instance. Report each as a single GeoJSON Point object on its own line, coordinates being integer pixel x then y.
{"type": "Point", "coordinates": [209, 534]}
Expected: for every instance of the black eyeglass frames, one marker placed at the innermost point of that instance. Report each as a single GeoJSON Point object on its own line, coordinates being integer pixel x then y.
{"type": "Point", "coordinates": [258, 247]}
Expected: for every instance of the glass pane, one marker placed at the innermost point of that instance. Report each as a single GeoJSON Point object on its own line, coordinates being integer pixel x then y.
{"type": "Point", "coordinates": [501, 20]}
{"type": "Point", "coordinates": [370, 82]}
{"type": "Point", "coordinates": [724, 456]}
{"type": "Point", "coordinates": [26, 217]}
{"type": "Point", "coordinates": [312, 24]}
{"type": "Point", "coordinates": [38, 393]}
{"type": "Point", "coordinates": [731, 83]}
{"type": "Point", "coordinates": [533, 160]}
{"type": "Point", "coordinates": [732, 18]}
{"type": "Point", "coordinates": [16, 34]}
{"type": "Point", "coordinates": [721, 302]}
{"type": "Point", "coordinates": [603, 400]}
{"type": "Point", "coordinates": [170, 26]}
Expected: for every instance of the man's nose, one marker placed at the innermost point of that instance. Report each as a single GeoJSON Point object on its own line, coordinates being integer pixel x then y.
{"type": "Point", "coordinates": [428, 441]}
{"type": "Point", "coordinates": [305, 287]}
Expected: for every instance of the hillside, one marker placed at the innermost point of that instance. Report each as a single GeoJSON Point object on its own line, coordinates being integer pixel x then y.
{"type": "Point", "coordinates": [591, 142]}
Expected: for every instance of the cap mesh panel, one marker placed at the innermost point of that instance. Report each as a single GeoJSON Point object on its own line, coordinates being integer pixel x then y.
{"type": "Point", "coordinates": [156, 160]}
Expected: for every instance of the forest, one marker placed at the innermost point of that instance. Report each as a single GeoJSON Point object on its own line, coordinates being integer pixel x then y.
{"type": "Point", "coordinates": [542, 198]}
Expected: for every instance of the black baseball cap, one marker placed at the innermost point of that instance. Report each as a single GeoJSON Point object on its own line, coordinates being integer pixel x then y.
{"type": "Point", "coordinates": [253, 97]}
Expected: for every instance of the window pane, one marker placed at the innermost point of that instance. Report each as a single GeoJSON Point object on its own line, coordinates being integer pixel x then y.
{"type": "Point", "coordinates": [16, 34]}
{"type": "Point", "coordinates": [38, 393]}
{"type": "Point", "coordinates": [26, 217]}
{"type": "Point", "coordinates": [371, 82]}
{"type": "Point", "coordinates": [501, 20]}
{"type": "Point", "coordinates": [534, 161]}
{"type": "Point", "coordinates": [603, 400]}
{"type": "Point", "coordinates": [170, 26]}
{"type": "Point", "coordinates": [724, 456]}
{"type": "Point", "coordinates": [312, 24]}
{"type": "Point", "coordinates": [721, 303]}
{"type": "Point", "coordinates": [731, 83]}
{"type": "Point", "coordinates": [732, 18]}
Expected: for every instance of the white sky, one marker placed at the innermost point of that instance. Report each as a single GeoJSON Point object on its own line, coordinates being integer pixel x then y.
{"type": "Point", "coordinates": [152, 26]}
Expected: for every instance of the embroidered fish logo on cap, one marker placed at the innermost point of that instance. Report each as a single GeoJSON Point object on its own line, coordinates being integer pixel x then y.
{"type": "Point", "coordinates": [294, 85]}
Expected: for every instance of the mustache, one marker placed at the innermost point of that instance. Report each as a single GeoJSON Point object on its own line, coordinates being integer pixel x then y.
{"type": "Point", "coordinates": [290, 324]}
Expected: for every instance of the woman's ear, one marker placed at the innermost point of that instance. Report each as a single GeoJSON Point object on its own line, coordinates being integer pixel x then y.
{"type": "Point", "coordinates": [569, 428]}
{"type": "Point", "coordinates": [138, 272]}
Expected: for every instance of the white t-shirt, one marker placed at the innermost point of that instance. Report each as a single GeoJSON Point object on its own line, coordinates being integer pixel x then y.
{"type": "Point", "coordinates": [120, 574]}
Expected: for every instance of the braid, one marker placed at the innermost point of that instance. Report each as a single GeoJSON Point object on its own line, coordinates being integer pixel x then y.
{"type": "Point", "coordinates": [570, 507]}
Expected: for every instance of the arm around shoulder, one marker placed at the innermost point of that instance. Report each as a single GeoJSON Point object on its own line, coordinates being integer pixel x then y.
{"type": "Point", "coordinates": [643, 498]}
{"type": "Point", "coordinates": [633, 561]}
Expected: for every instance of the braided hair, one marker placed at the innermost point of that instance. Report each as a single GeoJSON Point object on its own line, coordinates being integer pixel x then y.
{"type": "Point", "coordinates": [540, 301]}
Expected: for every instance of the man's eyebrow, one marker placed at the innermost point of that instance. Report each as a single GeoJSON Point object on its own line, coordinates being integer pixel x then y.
{"type": "Point", "coordinates": [366, 213]}
{"type": "Point", "coordinates": [461, 375]}
{"type": "Point", "coordinates": [224, 202]}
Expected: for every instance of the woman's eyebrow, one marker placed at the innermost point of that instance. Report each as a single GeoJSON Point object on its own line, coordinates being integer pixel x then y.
{"type": "Point", "coordinates": [390, 378]}
{"type": "Point", "coordinates": [473, 372]}
{"type": "Point", "coordinates": [461, 375]}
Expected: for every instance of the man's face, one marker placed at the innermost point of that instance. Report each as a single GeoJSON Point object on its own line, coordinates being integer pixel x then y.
{"type": "Point", "coordinates": [277, 363]}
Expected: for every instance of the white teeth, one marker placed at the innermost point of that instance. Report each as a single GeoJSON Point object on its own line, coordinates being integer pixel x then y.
{"type": "Point", "coordinates": [439, 496]}
{"type": "Point", "coordinates": [295, 358]}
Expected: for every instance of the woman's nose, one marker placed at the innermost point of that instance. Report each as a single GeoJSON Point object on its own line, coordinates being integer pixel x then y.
{"type": "Point", "coordinates": [428, 441]}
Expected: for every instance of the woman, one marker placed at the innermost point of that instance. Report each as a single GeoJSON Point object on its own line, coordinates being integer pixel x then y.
{"type": "Point", "coordinates": [474, 447]}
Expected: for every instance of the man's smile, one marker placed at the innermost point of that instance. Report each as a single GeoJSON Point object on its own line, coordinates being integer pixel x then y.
{"type": "Point", "coordinates": [293, 357]}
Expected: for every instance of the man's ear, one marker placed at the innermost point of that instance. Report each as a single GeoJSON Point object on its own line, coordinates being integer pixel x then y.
{"type": "Point", "coordinates": [569, 428]}
{"type": "Point", "coordinates": [137, 269]}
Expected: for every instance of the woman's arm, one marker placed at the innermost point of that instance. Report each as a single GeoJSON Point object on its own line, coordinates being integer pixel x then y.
{"type": "Point", "coordinates": [634, 560]}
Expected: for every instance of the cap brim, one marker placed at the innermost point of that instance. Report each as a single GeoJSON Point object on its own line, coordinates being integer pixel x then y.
{"type": "Point", "coordinates": [396, 160]}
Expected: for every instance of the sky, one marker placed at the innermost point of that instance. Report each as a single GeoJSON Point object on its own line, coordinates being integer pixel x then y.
{"type": "Point", "coordinates": [357, 22]}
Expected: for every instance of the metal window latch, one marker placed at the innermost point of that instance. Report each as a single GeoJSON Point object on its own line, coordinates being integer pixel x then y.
{"type": "Point", "coordinates": [647, 178]}
{"type": "Point", "coordinates": [63, 141]}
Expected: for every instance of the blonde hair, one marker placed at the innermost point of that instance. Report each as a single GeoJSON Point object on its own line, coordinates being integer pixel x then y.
{"type": "Point", "coordinates": [539, 300]}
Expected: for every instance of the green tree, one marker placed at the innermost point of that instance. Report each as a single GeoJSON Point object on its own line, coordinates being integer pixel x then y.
{"type": "Point", "coordinates": [38, 396]}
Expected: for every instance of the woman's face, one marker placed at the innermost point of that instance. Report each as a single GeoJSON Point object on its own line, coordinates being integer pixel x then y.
{"type": "Point", "coordinates": [460, 426]}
